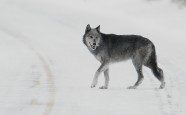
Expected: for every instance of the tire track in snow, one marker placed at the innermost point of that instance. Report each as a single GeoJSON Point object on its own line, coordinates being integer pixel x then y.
{"type": "Point", "coordinates": [177, 87]}
{"type": "Point", "coordinates": [164, 96]}
{"type": "Point", "coordinates": [46, 67]}
{"type": "Point", "coordinates": [50, 80]}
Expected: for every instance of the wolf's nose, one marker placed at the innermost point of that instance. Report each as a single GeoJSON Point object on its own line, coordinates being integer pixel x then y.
{"type": "Point", "coordinates": [94, 44]}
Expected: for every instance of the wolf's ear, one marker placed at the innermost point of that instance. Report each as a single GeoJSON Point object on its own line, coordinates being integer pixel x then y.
{"type": "Point", "coordinates": [98, 28]}
{"type": "Point", "coordinates": [88, 28]}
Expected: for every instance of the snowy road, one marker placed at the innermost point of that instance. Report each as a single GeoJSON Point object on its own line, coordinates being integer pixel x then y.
{"type": "Point", "coordinates": [15, 45]}
{"type": "Point", "coordinates": [46, 69]}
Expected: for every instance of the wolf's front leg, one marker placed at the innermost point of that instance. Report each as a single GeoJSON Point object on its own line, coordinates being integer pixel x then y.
{"type": "Point", "coordinates": [98, 72]}
{"type": "Point", "coordinates": [106, 75]}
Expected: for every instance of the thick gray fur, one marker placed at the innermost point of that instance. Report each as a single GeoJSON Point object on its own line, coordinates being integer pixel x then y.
{"type": "Point", "coordinates": [111, 48]}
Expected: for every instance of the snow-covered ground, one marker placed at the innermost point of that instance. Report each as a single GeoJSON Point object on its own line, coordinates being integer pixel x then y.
{"type": "Point", "coordinates": [45, 69]}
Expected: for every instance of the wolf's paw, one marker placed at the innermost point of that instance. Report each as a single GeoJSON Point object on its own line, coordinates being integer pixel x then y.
{"type": "Point", "coordinates": [93, 85]}
{"type": "Point", "coordinates": [103, 87]}
{"type": "Point", "coordinates": [162, 85]}
{"type": "Point", "coordinates": [131, 87]}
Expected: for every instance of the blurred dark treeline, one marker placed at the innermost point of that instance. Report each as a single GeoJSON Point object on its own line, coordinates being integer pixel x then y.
{"type": "Point", "coordinates": [181, 3]}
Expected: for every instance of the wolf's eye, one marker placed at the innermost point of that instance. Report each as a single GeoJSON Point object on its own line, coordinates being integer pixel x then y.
{"type": "Point", "coordinates": [91, 36]}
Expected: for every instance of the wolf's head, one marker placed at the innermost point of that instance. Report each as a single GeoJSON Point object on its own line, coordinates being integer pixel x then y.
{"type": "Point", "coordinates": [92, 37]}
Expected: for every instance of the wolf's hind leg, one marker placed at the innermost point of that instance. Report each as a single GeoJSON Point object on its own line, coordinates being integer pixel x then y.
{"type": "Point", "coordinates": [139, 81]}
{"type": "Point", "coordinates": [106, 75]}
{"type": "Point", "coordinates": [158, 73]}
{"type": "Point", "coordinates": [138, 66]}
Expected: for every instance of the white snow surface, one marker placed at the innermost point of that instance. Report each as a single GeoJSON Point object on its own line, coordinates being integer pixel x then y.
{"type": "Point", "coordinates": [45, 69]}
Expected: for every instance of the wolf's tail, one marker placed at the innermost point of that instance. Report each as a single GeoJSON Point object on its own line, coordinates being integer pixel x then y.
{"type": "Point", "coordinates": [152, 64]}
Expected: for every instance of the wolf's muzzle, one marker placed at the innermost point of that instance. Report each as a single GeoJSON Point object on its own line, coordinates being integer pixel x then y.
{"type": "Point", "coordinates": [93, 46]}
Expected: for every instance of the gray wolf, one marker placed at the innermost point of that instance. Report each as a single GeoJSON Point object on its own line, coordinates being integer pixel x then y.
{"type": "Point", "coordinates": [111, 48]}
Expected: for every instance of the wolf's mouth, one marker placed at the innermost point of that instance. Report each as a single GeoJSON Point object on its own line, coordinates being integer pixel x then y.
{"type": "Point", "coordinates": [92, 46]}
